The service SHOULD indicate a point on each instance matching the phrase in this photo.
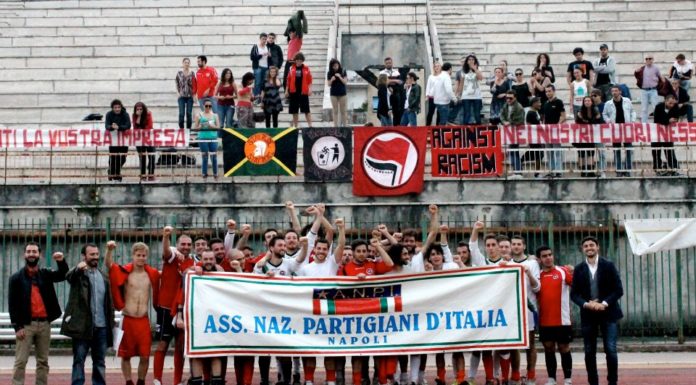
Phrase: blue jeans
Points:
(185, 109)
(226, 115)
(259, 79)
(555, 158)
(648, 101)
(610, 332)
(621, 166)
(471, 111)
(80, 350)
(385, 121)
(409, 118)
(201, 103)
(515, 161)
(442, 114)
(209, 147)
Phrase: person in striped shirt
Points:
(554, 314)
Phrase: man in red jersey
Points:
(554, 314)
(175, 261)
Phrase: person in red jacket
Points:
(142, 120)
(204, 84)
(298, 89)
(130, 288)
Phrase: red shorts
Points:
(137, 337)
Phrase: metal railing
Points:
(45, 166)
(660, 289)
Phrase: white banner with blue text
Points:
(443, 311)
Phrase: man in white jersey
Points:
(518, 248)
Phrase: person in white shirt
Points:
(440, 89)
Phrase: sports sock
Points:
(158, 365)
(567, 364)
(551, 364)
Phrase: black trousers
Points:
(117, 157)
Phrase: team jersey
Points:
(284, 269)
(477, 258)
(352, 269)
(171, 280)
(534, 268)
(554, 297)
(328, 268)
(250, 263)
(417, 264)
(224, 264)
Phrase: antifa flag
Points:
(252, 151)
(327, 154)
(388, 161)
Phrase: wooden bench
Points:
(7, 333)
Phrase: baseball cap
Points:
(603, 46)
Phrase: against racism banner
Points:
(327, 154)
(466, 151)
(253, 151)
(91, 137)
(598, 133)
(654, 235)
(388, 161)
(244, 314)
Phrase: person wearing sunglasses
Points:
(207, 122)
(648, 78)
(522, 88)
(513, 114)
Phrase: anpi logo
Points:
(389, 159)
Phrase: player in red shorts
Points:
(130, 289)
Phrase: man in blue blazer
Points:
(597, 290)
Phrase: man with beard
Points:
(175, 261)
(89, 315)
(216, 364)
(33, 305)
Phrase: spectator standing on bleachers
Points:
(440, 89)
(437, 69)
(245, 108)
(666, 113)
(579, 89)
(469, 90)
(396, 84)
(513, 114)
(588, 114)
(142, 120)
(204, 83)
(522, 88)
(184, 88)
(384, 108)
(276, 53)
(584, 65)
(620, 110)
(89, 315)
(412, 101)
(272, 102)
(683, 98)
(117, 120)
(259, 62)
(336, 79)
(295, 31)
(543, 64)
(208, 122)
(499, 88)
(538, 84)
(553, 112)
(648, 79)
(298, 90)
(605, 67)
(225, 94)
(535, 154)
(33, 305)
(597, 101)
(682, 70)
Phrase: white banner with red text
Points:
(454, 310)
(62, 137)
(598, 133)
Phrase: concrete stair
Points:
(62, 60)
(518, 30)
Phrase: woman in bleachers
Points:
(245, 110)
(225, 94)
(142, 120)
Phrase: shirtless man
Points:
(130, 289)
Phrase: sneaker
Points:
(156, 382)
(551, 381)
(568, 381)
(530, 382)
(309, 383)
(515, 176)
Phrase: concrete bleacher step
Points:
(64, 59)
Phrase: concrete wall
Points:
(512, 200)
(360, 50)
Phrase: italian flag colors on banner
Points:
(268, 151)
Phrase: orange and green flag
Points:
(267, 151)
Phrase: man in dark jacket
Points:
(276, 53)
(89, 316)
(33, 306)
(413, 101)
(117, 120)
(596, 290)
